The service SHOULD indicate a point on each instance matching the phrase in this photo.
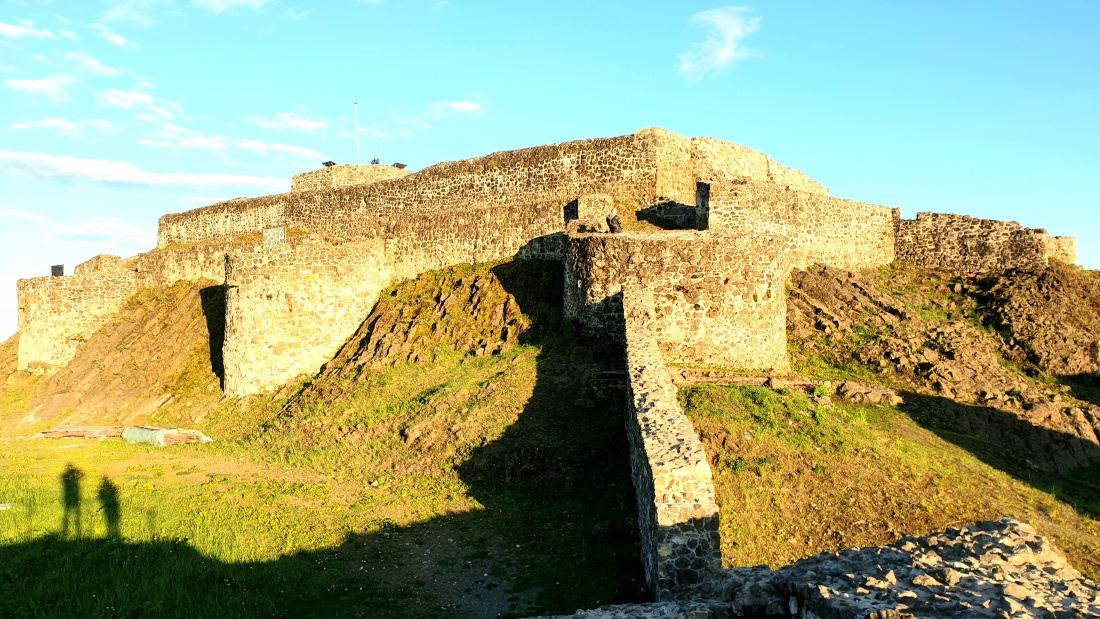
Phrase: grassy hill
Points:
(463, 454)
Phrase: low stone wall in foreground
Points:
(677, 511)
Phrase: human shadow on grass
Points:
(557, 530)
(1052, 461)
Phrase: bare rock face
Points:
(919, 331)
(1051, 317)
(986, 570)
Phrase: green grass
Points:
(795, 479)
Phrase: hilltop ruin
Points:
(302, 269)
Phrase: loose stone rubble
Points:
(997, 569)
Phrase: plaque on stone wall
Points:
(274, 237)
(57, 270)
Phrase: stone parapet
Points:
(677, 511)
(719, 298)
(335, 176)
(966, 244)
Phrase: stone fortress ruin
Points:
(302, 270)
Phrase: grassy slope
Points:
(814, 478)
(466, 486)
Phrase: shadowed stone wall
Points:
(677, 512)
(971, 245)
(718, 298)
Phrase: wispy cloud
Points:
(68, 34)
(263, 148)
(101, 230)
(19, 215)
(27, 29)
(52, 87)
(136, 11)
(291, 121)
(60, 125)
(78, 170)
(125, 99)
(84, 62)
(725, 28)
(221, 6)
(175, 136)
(444, 109)
(114, 39)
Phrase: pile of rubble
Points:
(998, 569)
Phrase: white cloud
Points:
(124, 99)
(103, 125)
(62, 126)
(21, 215)
(52, 87)
(97, 230)
(220, 6)
(11, 31)
(114, 39)
(725, 28)
(290, 121)
(68, 34)
(85, 62)
(444, 109)
(136, 11)
(263, 148)
(175, 136)
(75, 169)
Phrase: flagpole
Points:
(356, 133)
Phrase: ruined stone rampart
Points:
(817, 228)
(972, 245)
(335, 176)
(289, 309)
(718, 160)
(222, 221)
(56, 314)
(677, 512)
(718, 298)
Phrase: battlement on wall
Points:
(332, 177)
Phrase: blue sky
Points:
(113, 113)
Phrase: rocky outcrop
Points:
(1050, 317)
(918, 330)
(987, 570)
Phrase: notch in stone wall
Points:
(57, 270)
(274, 237)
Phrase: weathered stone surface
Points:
(677, 511)
(343, 176)
(970, 245)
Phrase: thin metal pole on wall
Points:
(356, 133)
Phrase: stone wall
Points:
(102, 262)
(718, 160)
(677, 512)
(649, 168)
(344, 176)
(719, 298)
(56, 314)
(290, 308)
(971, 245)
(816, 228)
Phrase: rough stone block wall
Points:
(971, 245)
(817, 228)
(677, 512)
(343, 176)
(56, 314)
(717, 160)
(102, 262)
(719, 298)
(1062, 248)
(225, 220)
(289, 309)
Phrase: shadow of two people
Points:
(109, 504)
